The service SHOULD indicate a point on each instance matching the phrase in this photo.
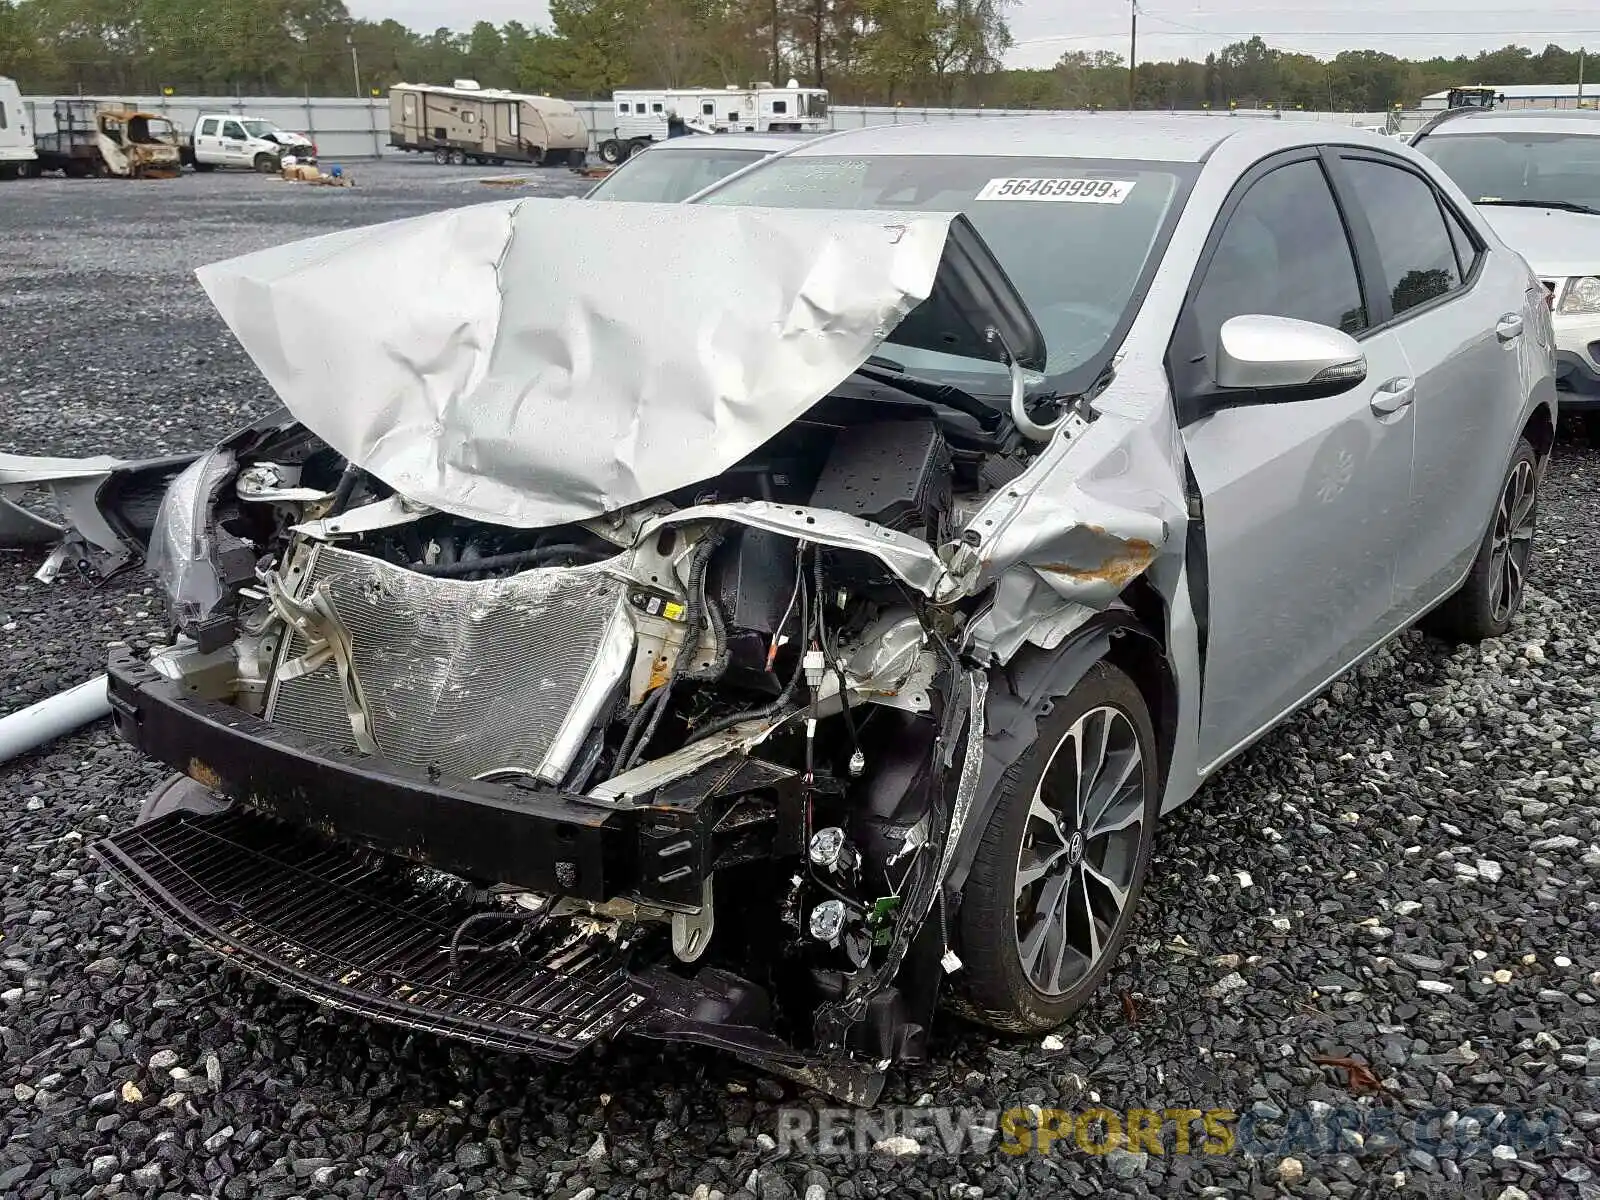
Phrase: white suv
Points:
(1535, 175)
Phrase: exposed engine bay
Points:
(794, 710)
(562, 673)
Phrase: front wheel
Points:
(1491, 596)
(1059, 869)
(611, 152)
(267, 164)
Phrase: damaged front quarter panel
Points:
(1101, 506)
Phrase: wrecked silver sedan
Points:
(756, 646)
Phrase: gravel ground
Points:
(1406, 874)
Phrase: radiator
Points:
(463, 677)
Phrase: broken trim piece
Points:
(913, 562)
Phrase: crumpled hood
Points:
(1555, 242)
(537, 362)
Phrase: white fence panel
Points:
(355, 128)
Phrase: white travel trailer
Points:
(467, 123)
(17, 155)
(643, 115)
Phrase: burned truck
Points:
(550, 669)
(94, 137)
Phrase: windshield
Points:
(260, 129)
(1074, 235)
(666, 176)
(1528, 168)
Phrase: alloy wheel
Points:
(1080, 850)
(1512, 541)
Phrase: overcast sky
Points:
(1044, 29)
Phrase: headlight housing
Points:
(181, 553)
(1582, 296)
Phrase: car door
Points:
(1301, 503)
(206, 141)
(235, 144)
(1459, 319)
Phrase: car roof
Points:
(1087, 135)
(770, 142)
(1523, 120)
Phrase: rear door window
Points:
(208, 127)
(1415, 252)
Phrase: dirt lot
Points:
(1408, 873)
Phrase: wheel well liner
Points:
(1541, 431)
(1023, 691)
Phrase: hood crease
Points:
(535, 362)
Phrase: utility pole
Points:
(1133, 49)
(1580, 76)
(777, 67)
(355, 63)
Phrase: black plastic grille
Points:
(359, 932)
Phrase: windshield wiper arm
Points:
(1563, 205)
(946, 395)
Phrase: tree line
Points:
(914, 52)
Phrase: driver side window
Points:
(1283, 253)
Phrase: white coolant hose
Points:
(49, 719)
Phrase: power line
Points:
(1357, 42)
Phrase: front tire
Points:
(267, 164)
(611, 152)
(1487, 602)
(1059, 869)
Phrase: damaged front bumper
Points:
(368, 924)
(108, 505)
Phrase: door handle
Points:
(1393, 396)
(1509, 327)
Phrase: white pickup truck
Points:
(236, 140)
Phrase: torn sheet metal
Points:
(1091, 514)
(657, 773)
(912, 560)
(537, 363)
(73, 484)
(1025, 609)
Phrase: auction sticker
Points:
(1069, 191)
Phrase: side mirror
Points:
(1272, 360)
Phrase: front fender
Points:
(1019, 694)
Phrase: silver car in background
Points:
(679, 167)
(1535, 176)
